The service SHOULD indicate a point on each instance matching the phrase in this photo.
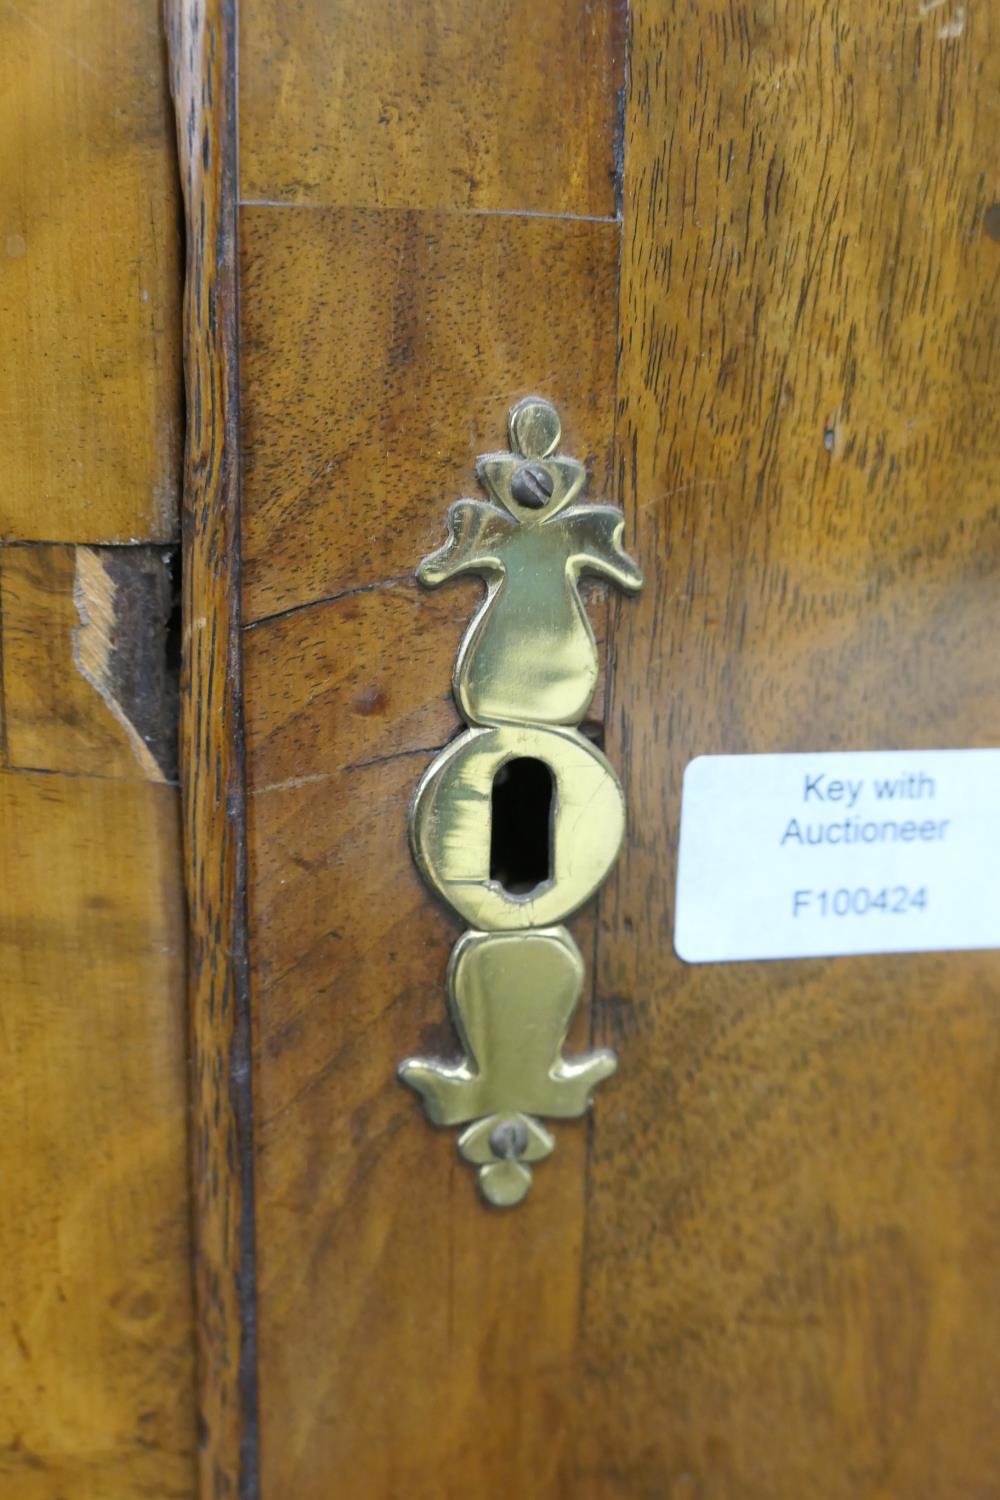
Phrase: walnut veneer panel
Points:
(90, 395)
(380, 351)
(794, 1218)
(97, 1375)
(773, 1274)
(97, 1367)
(394, 1307)
(454, 104)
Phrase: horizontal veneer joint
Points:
(436, 209)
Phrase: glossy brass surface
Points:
(451, 817)
(524, 677)
(529, 655)
(512, 999)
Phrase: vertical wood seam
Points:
(202, 44)
(613, 612)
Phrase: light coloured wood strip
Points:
(90, 380)
(97, 1368)
(97, 1358)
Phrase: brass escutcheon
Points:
(524, 678)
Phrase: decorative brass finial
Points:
(524, 677)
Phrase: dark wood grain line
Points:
(202, 38)
(296, 609)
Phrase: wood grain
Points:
(380, 354)
(395, 1307)
(356, 1197)
(326, 692)
(202, 50)
(772, 1275)
(794, 1220)
(88, 687)
(447, 104)
(96, 1365)
(97, 1360)
(90, 397)
(381, 348)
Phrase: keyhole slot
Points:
(521, 825)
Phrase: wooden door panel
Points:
(804, 1150)
(764, 299)
(97, 1351)
(411, 326)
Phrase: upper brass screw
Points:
(532, 485)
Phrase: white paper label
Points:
(798, 856)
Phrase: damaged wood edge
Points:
(122, 601)
(202, 47)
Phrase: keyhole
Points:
(521, 855)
